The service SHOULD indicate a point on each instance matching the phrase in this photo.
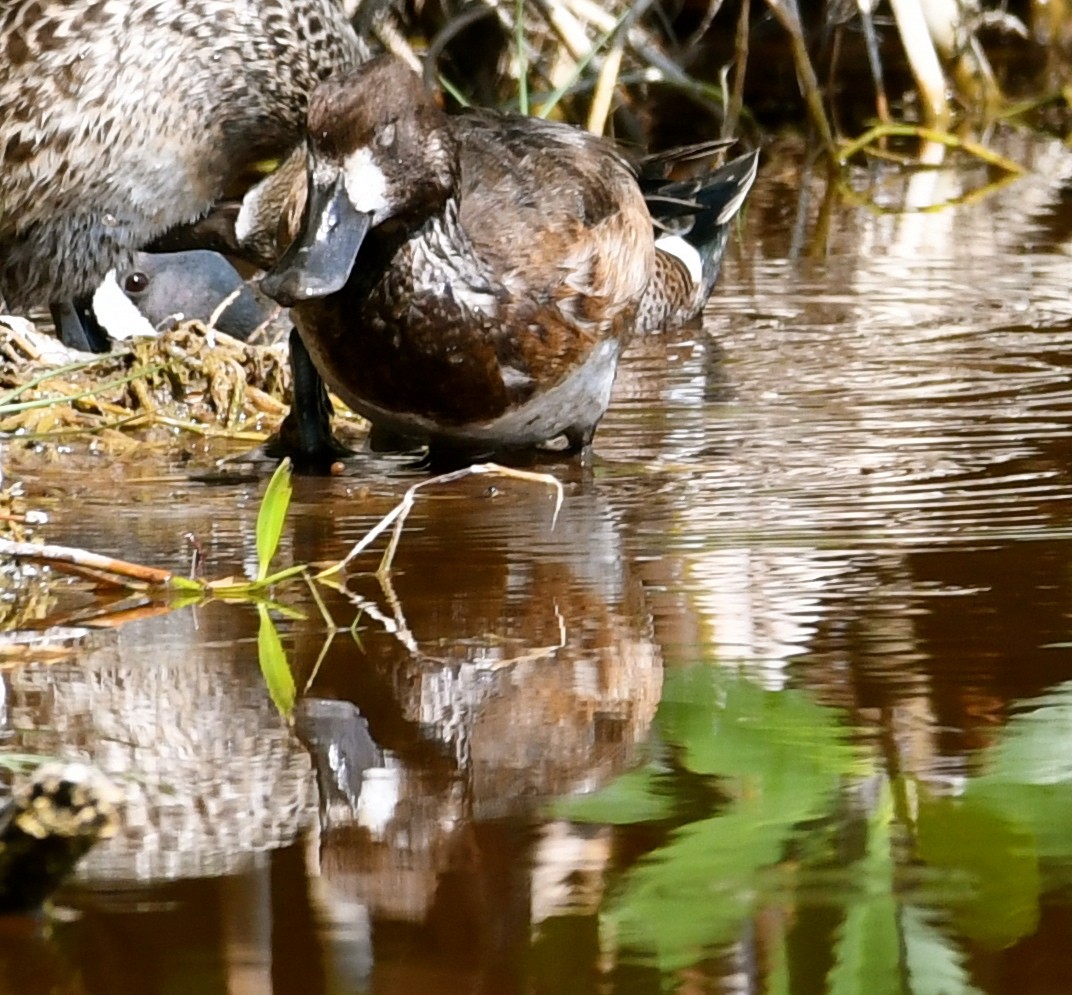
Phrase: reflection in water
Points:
(779, 705)
(211, 773)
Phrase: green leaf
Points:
(692, 894)
(731, 727)
(935, 963)
(274, 664)
(1033, 748)
(780, 758)
(186, 585)
(270, 518)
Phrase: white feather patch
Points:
(366, 185)
(676, 246)
(733, 205)
(249, 217)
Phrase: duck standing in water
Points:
(120, 120)
(469, 281)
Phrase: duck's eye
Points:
(136, 282)
(386, 136)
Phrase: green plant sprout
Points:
(177, 591)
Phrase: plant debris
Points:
(187, 379)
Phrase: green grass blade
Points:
(270, 518)
(275, 667)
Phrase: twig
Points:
(71, 556)
(879, 131)
(397, 515)
(740, 65)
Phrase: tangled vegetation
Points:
(632, 68)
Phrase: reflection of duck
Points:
(532, 667)
(119, 120)
(195, 803)
(520, 669)
(501, 264)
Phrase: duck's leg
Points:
(78, 327)
(305, 435)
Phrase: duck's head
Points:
(377, 150)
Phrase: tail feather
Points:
(657, 166)
(700, 210)
(692, 224)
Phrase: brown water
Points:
(781, 703)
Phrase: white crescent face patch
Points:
(117, 314)
(676, 246)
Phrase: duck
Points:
(469, 281)
(166, 288)
(119, 121)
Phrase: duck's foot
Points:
(305, 435)
(78, 327)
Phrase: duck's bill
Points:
(318, 262)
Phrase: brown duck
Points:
(469, 281)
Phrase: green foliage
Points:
(780, 758)
(1010, 820)
(776, 834)
(994, 861)
(633, 797)
(271, 516)
(868, 950)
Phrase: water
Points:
(781, 703)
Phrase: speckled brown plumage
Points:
(120, 120)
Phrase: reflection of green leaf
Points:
(270, 518)
(779, 756)
(868, 951)
(274, 665)
(628, 799)
(995, 859)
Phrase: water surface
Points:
(780, 703)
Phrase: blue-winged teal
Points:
(197, 285)
(119, 120)
(469, 281)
